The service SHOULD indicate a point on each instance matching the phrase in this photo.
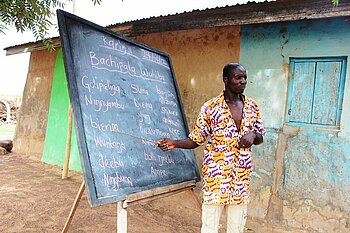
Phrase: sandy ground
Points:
(34, 198)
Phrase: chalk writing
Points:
(162, 159)
(138, 90)
(119, 147)
(165, 101)
(174, 131)
(113, 181)
(149, 156)
(103, 105)
(169, 121)
(111, 63)
(151, 131)
(143, 117)
(109, 162)
(165, 94)
(151, 74)
(155, 58)
(117, 45)
(150, 144)
(144, 105)
(168, 111)
(167, 159)
(115, 64)
(100, 85)
(102, 126)
(158, 172)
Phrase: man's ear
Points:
(225, 80)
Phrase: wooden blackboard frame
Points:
(74, 97)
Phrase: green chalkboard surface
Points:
(124, 96)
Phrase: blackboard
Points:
(124, 95)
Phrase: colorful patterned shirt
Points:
(226, 169)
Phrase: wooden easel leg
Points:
(74, 207)
(122, 217)
(195, 200)
(68, 144)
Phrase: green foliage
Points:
(2, 27)
(97, 2)
(335, 2)
(31, 15)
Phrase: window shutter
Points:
(302, 94)
(315, 92)
(326, 92)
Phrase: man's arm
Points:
(258, 138)
(249, 139)
(166, 144)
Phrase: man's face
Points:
(237, 82)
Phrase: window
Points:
(316, 88)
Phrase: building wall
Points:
(198, 57)
(303, 180)
(31, 125)
(57, 125)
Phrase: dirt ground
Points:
(34, 198)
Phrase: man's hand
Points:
(247, 140)
(166, 144)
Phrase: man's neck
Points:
(232, 97)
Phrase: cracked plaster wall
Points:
(308, 166)
(31, 124)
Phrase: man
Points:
(233, 124)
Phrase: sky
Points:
(14, 68)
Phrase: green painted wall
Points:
(56, 131)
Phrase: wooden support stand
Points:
(68, 144)
(74, 207)
(137, 198)
(122, 218)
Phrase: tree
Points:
(31, 15)
(335, 2)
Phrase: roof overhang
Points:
(250, 13)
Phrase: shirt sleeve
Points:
(258, 124)
(201, 129)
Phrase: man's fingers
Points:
(245, 144)
(160, 142)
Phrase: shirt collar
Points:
(223, 101)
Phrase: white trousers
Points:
(236, 218)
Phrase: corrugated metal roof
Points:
(196, 9)
(234, 3)
(252, 12)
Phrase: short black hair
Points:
(230, 68)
